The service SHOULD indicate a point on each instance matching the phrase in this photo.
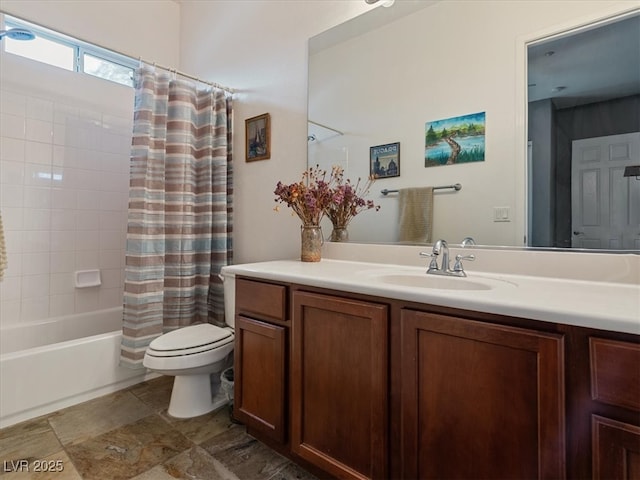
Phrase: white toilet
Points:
(196, 355)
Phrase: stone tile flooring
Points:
(129, 435)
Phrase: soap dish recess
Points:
(88, 278)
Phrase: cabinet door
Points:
(616, 449)
(480, 400)
(339, 397)
(259, 388)
(615, 372)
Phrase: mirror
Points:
(380, 78)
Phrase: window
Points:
(108, 69)
(69, 53)
(42, 50)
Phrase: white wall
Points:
(260, 48)
(409, 72)
(138, 28)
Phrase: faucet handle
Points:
(457, 266)
(433, 265)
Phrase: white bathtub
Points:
(49, 365)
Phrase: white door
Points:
(605, 205)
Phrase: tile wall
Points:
(64, 165)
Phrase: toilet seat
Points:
(190, 340)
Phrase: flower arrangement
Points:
(315, 196)
(348, 199)
(309, 198)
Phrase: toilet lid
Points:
(190, 337)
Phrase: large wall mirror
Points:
(558, 84)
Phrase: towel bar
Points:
(456, 187)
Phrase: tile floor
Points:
(128, 435)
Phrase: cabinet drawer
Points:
(615, 372)
(263, 300)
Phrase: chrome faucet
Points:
(442, 248)
(467, 242)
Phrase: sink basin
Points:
(420, 279)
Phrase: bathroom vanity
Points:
(365, 370)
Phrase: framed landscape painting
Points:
(454, 140)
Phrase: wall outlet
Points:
(501, 214)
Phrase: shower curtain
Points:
(179, 231)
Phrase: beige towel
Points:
(3, 251)
(415, 214)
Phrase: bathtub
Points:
(53, 364)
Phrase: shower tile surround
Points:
(64, 177)
(137, 439)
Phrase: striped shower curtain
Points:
(180, 209)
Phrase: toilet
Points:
(195, 356)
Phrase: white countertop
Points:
(601, 305)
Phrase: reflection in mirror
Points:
(382, 82)
(584, 129)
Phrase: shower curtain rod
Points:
(186, 75)
(324, 126)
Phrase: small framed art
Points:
(455, 140)
(258, 137)
(384, 160)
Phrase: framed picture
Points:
(258, 137)
(455, 140)
(384, 160)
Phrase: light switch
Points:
(501, 214)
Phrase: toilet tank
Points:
(229, 282)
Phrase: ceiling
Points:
(592, 65)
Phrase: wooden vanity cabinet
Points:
(339, 385)
(260, 386)
(480, 400)
(615, 380)
(362, 387)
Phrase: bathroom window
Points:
(66, 52)
(41, 49)
(99, 66)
